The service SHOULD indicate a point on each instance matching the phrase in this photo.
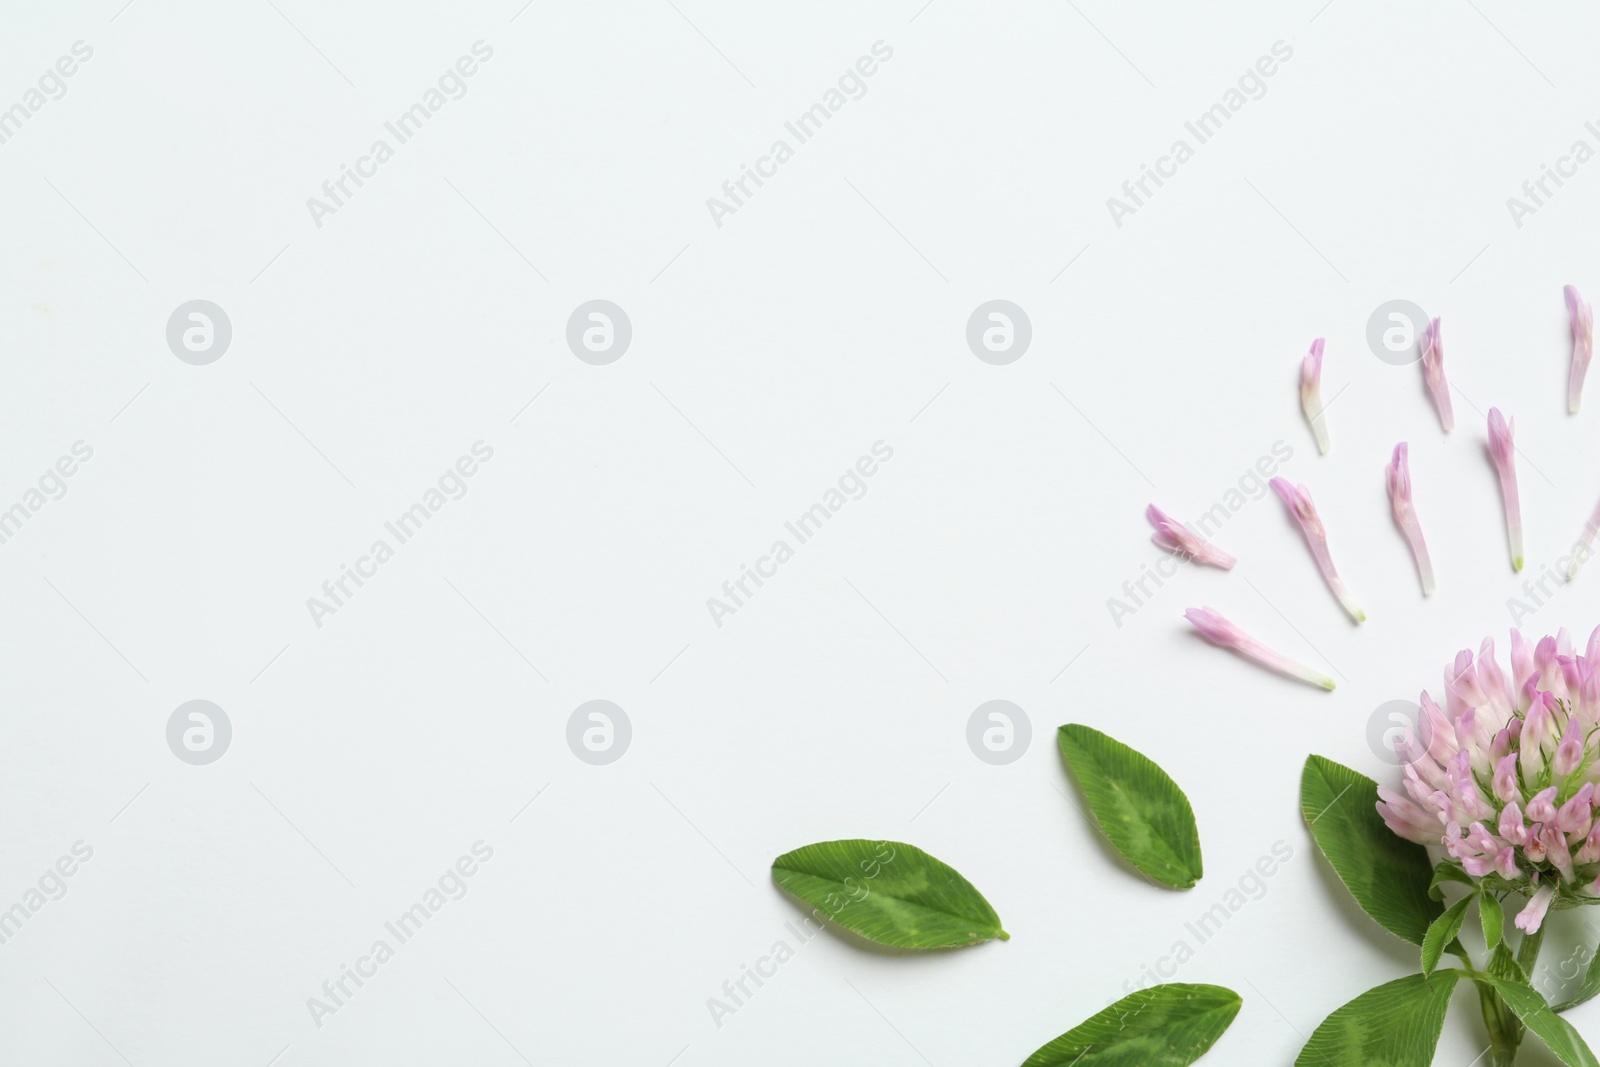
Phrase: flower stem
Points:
(1528, 951)
(1505, 1030)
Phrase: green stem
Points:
(1528, 951)
(1504, 1029)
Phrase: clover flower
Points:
(1503, 452)
(1178, 538)
(1220, 631)
(1405, 514)
(1298, 499)
(1582, 346)
(1311, 394)
(1433, 373)
(1504, 776)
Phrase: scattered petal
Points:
(1178, 538)
(1220, 631)
(1405, 515)
(1582, 346)
(1433, 373)
(1311, 394)
(1298, 499)
(1502, 451)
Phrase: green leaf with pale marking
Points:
(1541, 1019)
(1138, 808)
(1388, 875)
(1395, 1025)
(1164, 1026)
(888, 892)
(1442, 932)
(1591, 984)
(1493, 917)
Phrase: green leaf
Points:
(1140, 810)
(1448, 871)
(1442, 932)
(1493, 917)
(1503, 964)
(1395, 1025)
(1388, 875)
(1538, 1017)
(1164, 1026)
(1591, 984)
(888, 892)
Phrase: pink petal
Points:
(1502, 451)
(1311, 394)
(1582, 345)
(1405, 514)
(1531, 917)
(1433, 373)
(1220, 631)
(1178, 538)
(1298, 500)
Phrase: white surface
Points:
(793, 337)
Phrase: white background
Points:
(768, 354)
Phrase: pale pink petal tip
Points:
(1405, 514)
(1432, 347)
(1298, 499)
(1503, 453)
(1183, 541)
(1311, 394)
(1582, 317)
(1219, 631)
